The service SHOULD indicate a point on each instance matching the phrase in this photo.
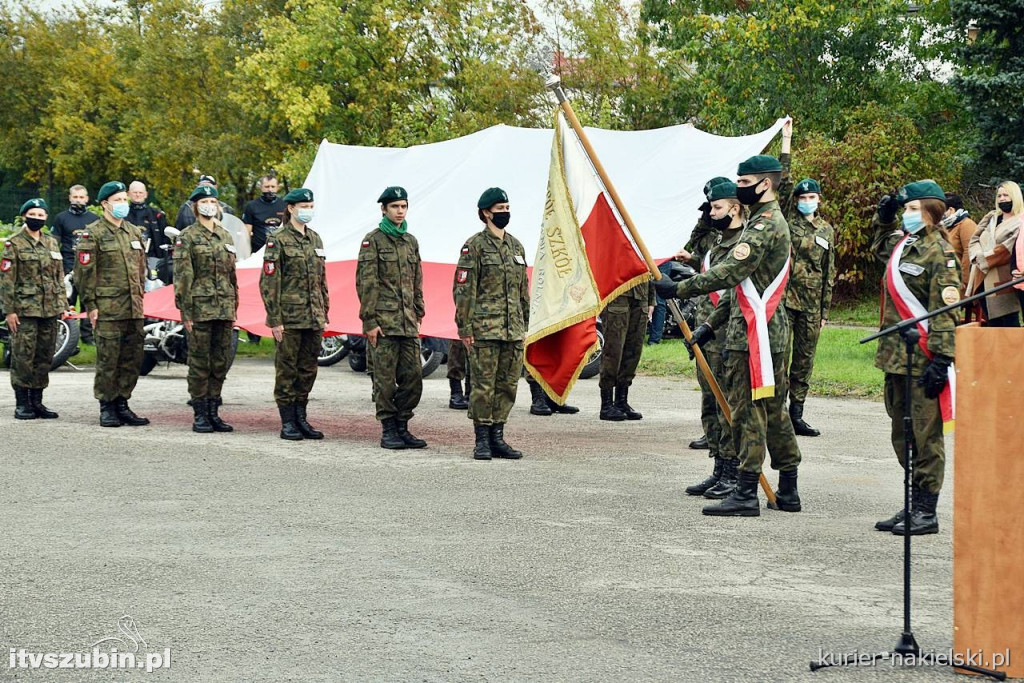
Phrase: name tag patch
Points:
(136, 244)
(230, 247)
(55, 255)
(821, 241)
(911, 269)
(520, 260)
(320, 252)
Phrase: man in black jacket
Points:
(68, 227)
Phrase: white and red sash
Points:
(704, 266)
(908, 306)
(758, 309)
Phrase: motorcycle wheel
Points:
(357, 361)
(234, 347)
(593, 365)
(68, 334)
(332, 350)
(149, 361)
(431, 359)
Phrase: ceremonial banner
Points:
(585, 258)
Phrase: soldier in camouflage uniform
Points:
(625, 319)
(206, 293)
(492, 312)
(812, 277)
(110, 274)
(32, 297)
(727, 219)
(931, 272)
(458, 363)
(757, 265)
(293, 285)
(389, 283)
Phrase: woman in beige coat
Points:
(989, 252)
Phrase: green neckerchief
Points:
(389, 228)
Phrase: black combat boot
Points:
(482, 449)
(922, 515)
(726, 483)
(539, 405)
(23, 405)
(458, 401)
(500, 449)
(200, 417)
(699, 489)
(126, 415)
(787, 497)
(888, 524)
(289, 430)
(108, 414)
(213, 415)
(608, 409)
(404, 434)
(36, 398)
(742, 502)
(622, 403)
(563, 409)
(700, 444)
(389, 437)
(308, 431)
(796, 416)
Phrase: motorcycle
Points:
(433, 352)
(166, 340)
(68, 335)
(677, 272)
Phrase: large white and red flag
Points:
(585, 258)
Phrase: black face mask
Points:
(501, 218)
(269, 197)
(1005, 207)
(749, 195)
(722, 223)
(77, 209)
(35, 224)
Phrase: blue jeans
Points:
(660, 312)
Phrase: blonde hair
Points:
(1013, 189)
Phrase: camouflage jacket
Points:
(491, 289)
(205, 282)
(32, 276)
(110, 270)
(813, 273)
(389, 283)
(727, 239)
(703, 237)
(760, 254)
(293, 283)
(642, 292)
(932, 273)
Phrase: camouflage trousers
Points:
(457, 361)
(494, 369)
(397, 376)
(929, 449)
(763, 424)
(806, 328)
(295, 365)
(118, 357)
(624, 328)
(32, 350)
(716, 427)
(209, 355)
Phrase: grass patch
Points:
(859, 312)
(265, 349)
(842, 366)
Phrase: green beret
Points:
(492, 196)
(202, 192)
(726, 190)
(762, 163)
(711, 183)
(806, 186)
(109, 189)
(922, 189)
(393, 194)
(36, 203)
(299, 194)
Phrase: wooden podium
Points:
(988, 496)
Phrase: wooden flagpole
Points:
(555, 85)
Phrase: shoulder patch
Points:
(84, 257)
(951, 263)
(270, 245)
(366, 243)
(741, 251)
(269, 267)
(950, 295)
(461, 276)
(757, 226)
(5, 265)
(465, 249)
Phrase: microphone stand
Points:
(906, 646)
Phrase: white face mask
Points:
(208, 210)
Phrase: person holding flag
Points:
(756, 270)
(492, 312)
(922, 274)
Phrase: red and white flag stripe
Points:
(704, 266)
(757, 310)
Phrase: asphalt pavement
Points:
(249, 558)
